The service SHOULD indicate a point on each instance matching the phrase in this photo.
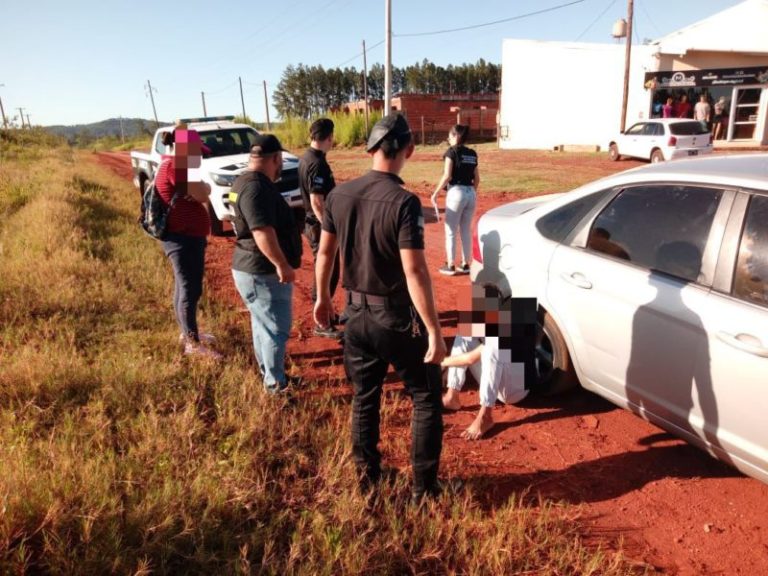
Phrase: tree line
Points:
(307, 91)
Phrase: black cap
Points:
(390, 127)
(321, 129)
(266, 144)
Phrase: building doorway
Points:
(744, 114)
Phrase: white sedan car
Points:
(662, 139)
(652, 288)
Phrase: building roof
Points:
(741, 28)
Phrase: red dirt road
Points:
(670, 506)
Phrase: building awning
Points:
(741, 28)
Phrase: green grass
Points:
(117, 455)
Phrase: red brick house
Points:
(432, 115)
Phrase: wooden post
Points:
(627, 57)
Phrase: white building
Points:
(566, 93)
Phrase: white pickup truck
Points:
(226, 157)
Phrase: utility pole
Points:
(365, 86)
(122, 132)
(21, 116)
(388, 57)
(242, 100)
(152, 97)
(2, 110)
(205, 112)
(266, 106)
(29, 124)
(627, 56)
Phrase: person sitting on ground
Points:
(498, 352)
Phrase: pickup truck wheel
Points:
(613, 153)
(657, 156)
(217, 226)
(553, 361)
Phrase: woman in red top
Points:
(188, 225)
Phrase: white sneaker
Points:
(204, 337)
(198, 349)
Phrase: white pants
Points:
(498, 380)
(460, 204)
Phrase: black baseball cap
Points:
(321, 129)
(390, 127)
(265, 145)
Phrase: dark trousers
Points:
(187, 256)
(374, 338)
(312, 231)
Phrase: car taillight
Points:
(672, 141)
(477, 254)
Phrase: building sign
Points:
(718, 77)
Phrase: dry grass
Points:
(119, 456)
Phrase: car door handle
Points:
(745, 343)
(577, 279)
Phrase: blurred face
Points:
(188, 150)
(452, 139)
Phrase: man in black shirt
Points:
(379, 228)
(316, 181)
(267, 251)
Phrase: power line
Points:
(596, 20)
(647, 15)
(356, 56)
(484, 24)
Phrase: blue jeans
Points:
(187, 256)
(460, 204)
(269, 303)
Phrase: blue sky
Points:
(81, 61)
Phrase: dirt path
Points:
(669, 505)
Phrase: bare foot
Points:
(451, 400)
(482, 423)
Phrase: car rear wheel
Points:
(217, 226)
(553, 362)
(613, 152)
(657, 156)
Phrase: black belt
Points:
(392, 301)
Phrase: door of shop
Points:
(744, 113)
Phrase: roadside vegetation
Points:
(117, 455)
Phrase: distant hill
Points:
(132, 127)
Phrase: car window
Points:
(660, 227)
(558, 224)
(160, 148)
(751, 278)
(228, 141)
(636, 129)
(653, 129)
(691, 128)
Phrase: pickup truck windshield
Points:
(228, 141)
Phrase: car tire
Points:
(613, 153)
(217, 226)
(555, 371)
(656, 156)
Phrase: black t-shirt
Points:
(374, 217)
(464, 164)
(315, 177)
(260, 204)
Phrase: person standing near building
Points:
(267, 251)
(461, 174)
(316, 181)
(720, 119)
(668, 110)
(683, 107)
(379, 228)
(702, 111)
